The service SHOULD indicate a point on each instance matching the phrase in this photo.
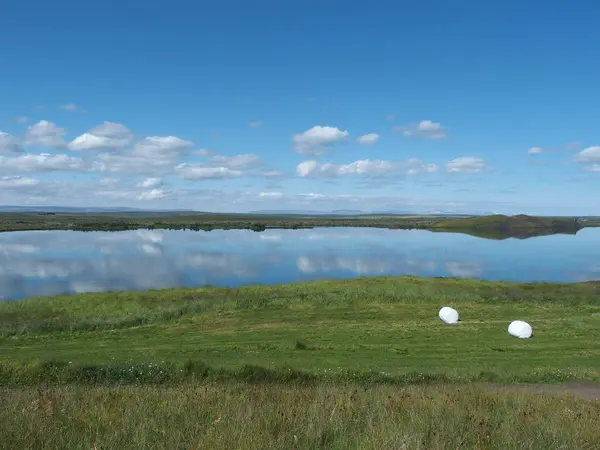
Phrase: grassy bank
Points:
(242, 416)
(381, 325)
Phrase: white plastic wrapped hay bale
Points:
(520, 329)
(448, 315)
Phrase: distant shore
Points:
(493, 227)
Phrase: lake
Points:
(40, 263)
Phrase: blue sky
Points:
(236, 106)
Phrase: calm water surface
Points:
(34, 263)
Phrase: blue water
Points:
(37, 263)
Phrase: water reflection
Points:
(34, 263)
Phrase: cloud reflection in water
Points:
(54, 262)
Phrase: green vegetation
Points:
(361, 363)
(282, 417)
(486, 226)
(385, 325)
(501, 227)
(198, 221)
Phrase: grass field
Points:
(385, 325)
(281, 417)
(346, 364)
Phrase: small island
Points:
(499, 226)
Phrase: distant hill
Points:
(519, 225)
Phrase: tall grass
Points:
(242, 416)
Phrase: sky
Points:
(234, 106)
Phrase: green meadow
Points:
(336, 364)
(386, 325)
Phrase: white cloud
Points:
(268, 173)
(367, 139)
(106, 136)
(593, 168)
(390, 118)
(313, 141)
(589, 155)
(17, 182)
(236, 162)
(161, 147)
(9, 143)
(200, 172)
(426, 129)
(22, 119)
(45, 134)
(150, 183)
(258, 123)
(466, 164)
(43, 162)
(154, 194)
(69, 107)
(535, 151)
(361, 167)
(202, 152)
(424, 168)
(271, 195)
(147, 156)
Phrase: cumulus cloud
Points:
(258, 123)
(202, 152)
(593, 168)
(22, 119)
(426, 129)
(9, 143)
(161, 147)
(189, 171)
(146, 156)
(154, 194)
(236, 162)
(43, 162)
(315, 140)
(17, 182)
(423, 168)
(108, 135)
(466, 164)
(45, 134)
(314, 169)
(367, 139)
(589, 155)
(150, 183)
(536, 151)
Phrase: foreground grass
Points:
(242, 416)
(381, 325)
